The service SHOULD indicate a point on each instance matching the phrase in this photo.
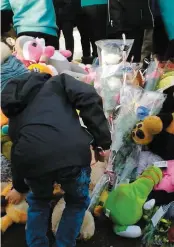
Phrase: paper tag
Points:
(157, 216)
(107, 213)
(161, 164)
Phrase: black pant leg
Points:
(67, 29)
(83, 27)
(97, 18)
(160, 38)
(137, 35)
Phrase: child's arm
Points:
(18, 182)
(19, 188)
(85, 98)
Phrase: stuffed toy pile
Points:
(140, 176)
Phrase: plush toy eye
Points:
(140, 134)
(34, 44)
(139, 126)
(36, 70)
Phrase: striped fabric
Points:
(11, 68)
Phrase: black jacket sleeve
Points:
(18, 182)
(85, 98)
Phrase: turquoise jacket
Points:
(32, 15)
(167, 11)
(92, 2)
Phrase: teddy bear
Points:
(4, 119)
(87, 228)
(14, 213)
(18, 213)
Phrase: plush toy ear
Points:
(166, 119)
(20, 43)
(66, 53)
(10, 41)
(153, 124)
(4, 51)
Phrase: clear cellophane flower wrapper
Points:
(111, 83)
(109, 80)
(153, 74)
(123, 148)
(100, 186)
(159, 234)
(110, 52)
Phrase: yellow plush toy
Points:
(17, 213)
(4, 119)
(6, 145)
(40, 68)
(145, 130)
(14, 213)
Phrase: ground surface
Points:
(104, 237)
(77, 44)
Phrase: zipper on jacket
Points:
(109, 15)
(153, 22)
(141, 13)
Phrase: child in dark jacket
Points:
(49, 145)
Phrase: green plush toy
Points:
(124, 205)
(6, 144)
(166, 81)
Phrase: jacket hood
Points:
(20, 91)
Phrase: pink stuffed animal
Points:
(167, 183)
(35, 51)
(66, 53)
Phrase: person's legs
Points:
(137, 35)
(67, 29)
(49, 39)
(83, 26)
(160, 38)
(75, 183)
(169, 55)
(39, 211)
(146, 50)
(97, 16)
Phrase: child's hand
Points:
(102, 155)
(14, 197)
